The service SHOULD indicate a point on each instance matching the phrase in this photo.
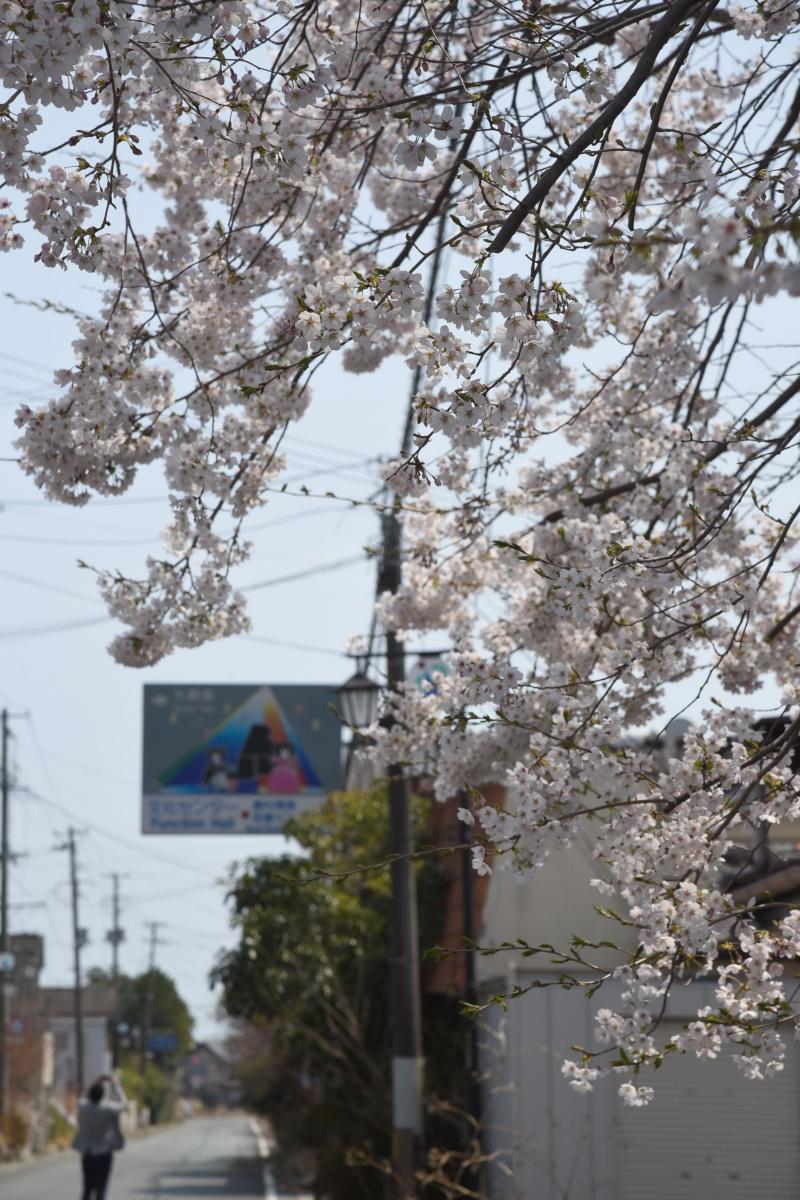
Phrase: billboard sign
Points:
(236, 758)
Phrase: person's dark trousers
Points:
(96, 1170)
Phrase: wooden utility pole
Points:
(408, 1064)
(407, 1060)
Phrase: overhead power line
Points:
(317, 468)
(45, 755)
(336, 565)
(27, 362)
(37, 630)
(86, 622)
(115, 837)
(254, 637)
(47, 587)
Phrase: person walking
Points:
(99, 1134)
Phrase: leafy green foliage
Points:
(169, 1010)
(156, 1088)
(59, 1131)
(311, 970)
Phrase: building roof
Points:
(28, 946)
(95, 1001)
(206, 1048)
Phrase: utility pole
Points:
(79, 940)
(149, 996)
(407, 1061)
(6, 957)
(5, 971)
(408, 1064)
(115, 936)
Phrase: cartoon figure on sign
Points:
(216, 773)
(256, 759)
(285, 777)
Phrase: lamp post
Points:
(359, 701)
(358, 704)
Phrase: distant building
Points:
(208, 1077)
(708, 1132)
(26, 1052)
(56, 1008)
(41, 1030)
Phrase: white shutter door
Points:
(710, 1134)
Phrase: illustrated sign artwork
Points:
(234, 758)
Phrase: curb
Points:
(264, 1153)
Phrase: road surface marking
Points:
(264, 1150)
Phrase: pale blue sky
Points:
(80, 748)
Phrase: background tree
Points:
(169, 1013)
(310, 973)
(157, 1086)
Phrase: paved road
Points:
(204, 1159)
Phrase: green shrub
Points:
(155, 1088)
(59, 1131)
(14, 1132)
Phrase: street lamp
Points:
(358, 699)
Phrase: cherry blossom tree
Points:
(566, 220)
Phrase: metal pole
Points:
(407, 1060)
(77, 942)
(4, 939)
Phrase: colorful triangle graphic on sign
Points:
(254, 749)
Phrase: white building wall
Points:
(710, 1133)
(549, 906)
(96, 1056)
(552, 1142)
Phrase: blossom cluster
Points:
(566, 229)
